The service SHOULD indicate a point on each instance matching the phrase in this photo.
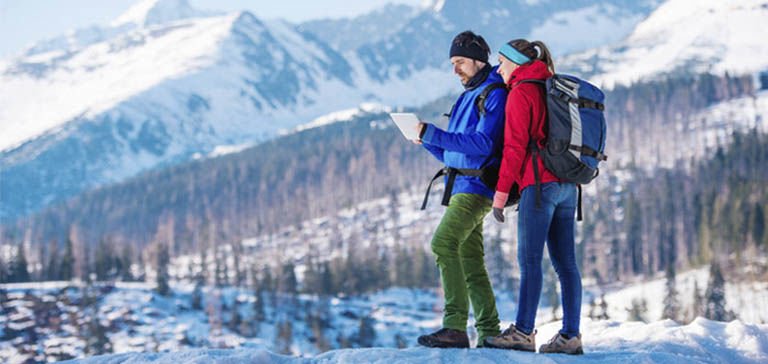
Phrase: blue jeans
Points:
(552, 222)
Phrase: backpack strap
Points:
(448, 114)
(439, 174)
(578, 207)
(451, 173)
(533, 144)
(480, 100)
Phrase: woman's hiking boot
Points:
(513, 339)
(563, 344)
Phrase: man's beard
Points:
(464, 78)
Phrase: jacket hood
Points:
(536, 70)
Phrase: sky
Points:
(23, 22)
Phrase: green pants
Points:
(458, 246)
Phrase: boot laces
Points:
(554, 338)
(509, 331)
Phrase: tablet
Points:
(407, 123)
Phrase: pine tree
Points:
(366, 333)
(67, 265)
(97, 342)
(268, 284)
(258, 304)
(634, 227)
(204, 265)
(220, 263)
(311, 282)
(237, 252)
(671, 302)
(3, 272)
(315, 321)
(326, 280)
(267, 281)
(698, 302)
(758, 224)
(236, 318)
(51, 267)
(197, 294)
(603, 308)
(103, 263)
(715, 295)
(163, 259)
(213, 310)
(284, 339)
(126, 264)
(638, 310)
(592, 309)
(18, 271)
(288, 283)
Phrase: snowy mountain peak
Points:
(149, 12)
(684, 37)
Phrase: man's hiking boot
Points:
(513, 339)
(445, 338)
(564, 345)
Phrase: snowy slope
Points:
(148, 12)
(422, 43)
(240, 67)
(702, 341)
(163, 93)
(684, 36)
(581, 29)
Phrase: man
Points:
(472, 143)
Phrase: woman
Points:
(546, 209)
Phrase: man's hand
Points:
(419, 128)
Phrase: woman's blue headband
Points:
(513, 54)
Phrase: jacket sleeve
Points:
(435, 150)
(516, 136)
(479, 141)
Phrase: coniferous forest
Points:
(680, 216)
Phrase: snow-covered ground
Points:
(137, 320)
(702, 341)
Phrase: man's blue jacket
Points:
(471, 141)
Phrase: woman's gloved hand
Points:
(499, 200)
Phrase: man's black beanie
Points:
(468, 44)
